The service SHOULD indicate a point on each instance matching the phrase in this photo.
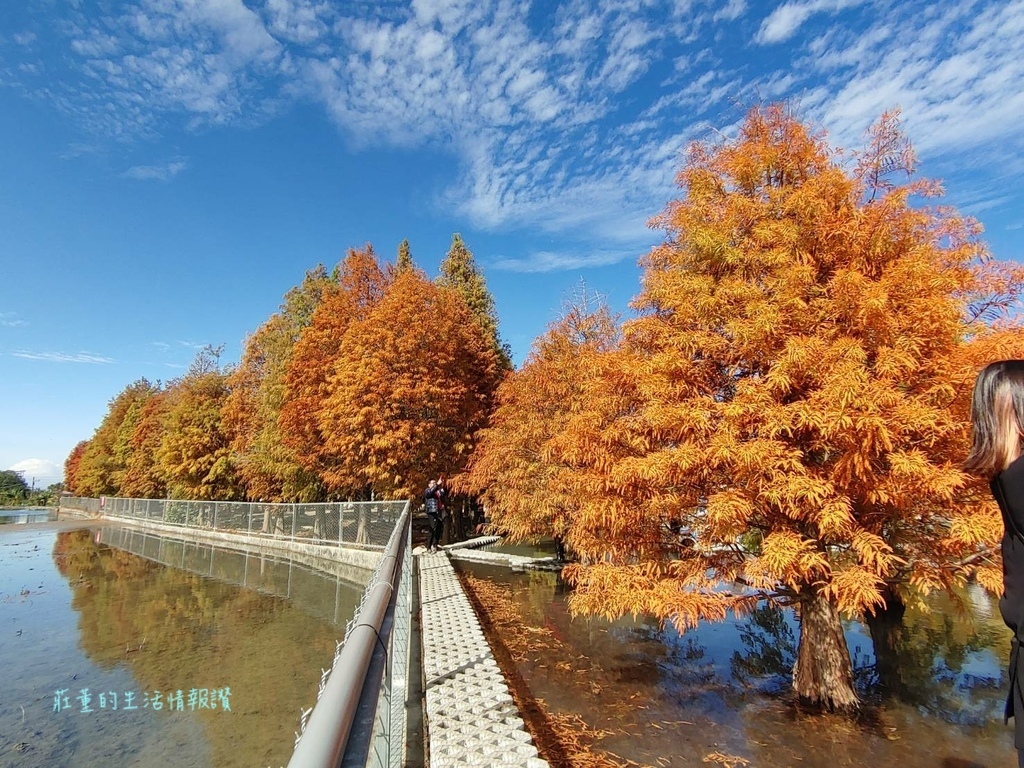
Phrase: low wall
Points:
(255, 543)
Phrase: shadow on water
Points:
(79, 614)
(933, 690)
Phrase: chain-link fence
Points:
(389, 745)
(366, 524)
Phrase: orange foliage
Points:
(269, 469)
(360, 287)
(524, 485)
(194, 456)
(105, 456)
(143, 477)
(796, 381)
(71, 467)
(411, 386)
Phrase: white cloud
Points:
(96, 45)
(955, 76)
(63, 357)
(196, 56)
(731, 11)
(299, 21)
(42, 472)
(164, 172)
(550, 261)
(785, 20)
(24, 38)
(11, 320)
(568, 117)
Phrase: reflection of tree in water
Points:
(937, 660)
(601, 670)
(769, 647)
(541, 587)
(941, 659)
(177, 630)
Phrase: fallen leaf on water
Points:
(729, 761)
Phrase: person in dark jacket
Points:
(433, 503)
(997, 421)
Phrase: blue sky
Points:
(171, 167)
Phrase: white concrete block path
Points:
(470, 719)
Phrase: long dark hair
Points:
(997, 418)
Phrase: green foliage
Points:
(460, 272)
(404, 260)
(13, 488)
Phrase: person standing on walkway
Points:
(997, 422)
(433, 503)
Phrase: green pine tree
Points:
(460, 272)
(404, 261)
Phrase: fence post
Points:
(250, 517)
(295, 517)
(216, 506)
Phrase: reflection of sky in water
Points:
(40, 654)
(959, 667)
(113, 621)
(959, 656)
(974, 659)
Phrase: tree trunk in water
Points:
(362, 535)
(823, 674)
(455, 521)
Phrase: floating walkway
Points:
(471, 718)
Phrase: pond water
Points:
(933, 695)
(112, 658)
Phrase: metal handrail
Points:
(325, 737)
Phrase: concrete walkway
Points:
(470, 718)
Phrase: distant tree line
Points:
(368, 380)
(16, 492)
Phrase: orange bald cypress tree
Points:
(144, 477)
(528, 492)
(361, 284)
(103, 461)
(268, 467)
(71, 466)
(194, 453)
(412, 385)
(797, 380)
